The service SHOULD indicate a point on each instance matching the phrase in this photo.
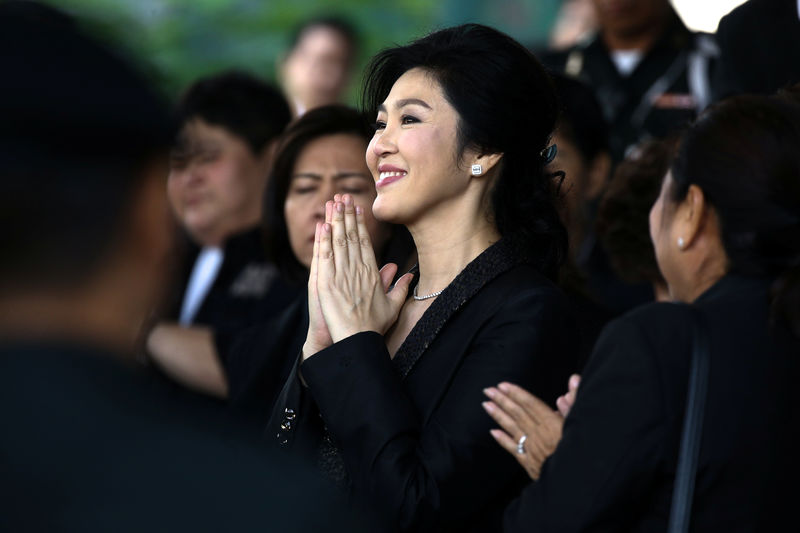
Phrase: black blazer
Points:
(414, 440)
(258, 360)
(614, 467)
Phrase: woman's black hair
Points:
(319, 122)
(507, 104)
(744, 153)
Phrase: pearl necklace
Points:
(426, 296)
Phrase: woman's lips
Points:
(389, 176)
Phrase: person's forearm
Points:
(189, 356)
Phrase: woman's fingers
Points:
(514, 408)
(574, 382)
(339, 238)
(351, 231)
(529, 403)
(399, 293)
(564, 405)
(566, 401)
(325, 263)
(387, 274)
(505, 441)
(364, 240)
(504, 420)
(312, 273)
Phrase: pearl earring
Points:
(477, 170)
(681, 243)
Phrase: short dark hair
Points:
(507, 105)
(743, 154)
(246, 106)
(332, 22)
(624, 212)
(319, 122)
(79, 125)
(581, 118)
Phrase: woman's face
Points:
(326, 166)
(661, 232)
(413, 155)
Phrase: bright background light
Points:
(704, 15)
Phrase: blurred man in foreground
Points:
(89, 443)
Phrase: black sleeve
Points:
(612, 442)
(434, 474)
(257, 361)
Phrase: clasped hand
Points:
(521, 414)
(347, 294)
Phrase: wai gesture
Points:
(347, 294)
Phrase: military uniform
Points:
(664, 91)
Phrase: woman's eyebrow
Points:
(404, 102)
(309, 175)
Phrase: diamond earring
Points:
(681, 243)
(477, 170)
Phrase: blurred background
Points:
(181, 40)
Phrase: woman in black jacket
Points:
(382, 398)
(726, 229)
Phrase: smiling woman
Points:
(386, 404)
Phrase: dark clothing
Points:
(759, 45)
(614, 467)
(663, 93)
(246, 290)
(413, 439)
(258, 361)
(91, 444)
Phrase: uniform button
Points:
(286, 425)
(289, 413)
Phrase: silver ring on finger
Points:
(521, 445)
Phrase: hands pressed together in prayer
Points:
(347, 294)
(531, 430)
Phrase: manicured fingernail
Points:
(495, 433)
(339, 207)
(359, 210)
(504, 387)
(326, 227)
(348, 200)
(489, 392)
(488, 406)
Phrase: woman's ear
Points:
(690, 216)
(485, 163)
